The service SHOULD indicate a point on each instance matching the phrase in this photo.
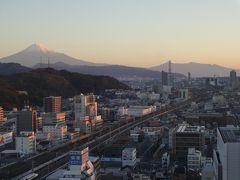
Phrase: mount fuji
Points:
(38, 53)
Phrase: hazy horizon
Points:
(135, 33)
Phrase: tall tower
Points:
(164, 78)
(233, 78)
(189, 76)
(170, 66)
(170, 75)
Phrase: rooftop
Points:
(189, 129)
(230, 134)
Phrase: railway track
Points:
(47, 162)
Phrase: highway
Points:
(50, 160)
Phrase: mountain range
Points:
(196, 69)
(39, 56)
(116, 71)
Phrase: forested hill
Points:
(45, 82)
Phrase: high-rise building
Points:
(185, 136)
(85, 109)
(52, 104)
(226, 158)
(189, 76)
(164, 78)
(170, 74)
(1, 119)
(233, 78)
(26, 120)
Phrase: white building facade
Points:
(85, 111)
(194, 159)
(129, 157)
(54, 126)
(227, 155)
(26, 143)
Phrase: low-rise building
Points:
(194, 159)
(80, 166)
(139, 176)
(55, 132)
(6, 138)
(165, 161)
(184, 94)
(54, 126)
(137, 111)
(129, 157)
(208, 172)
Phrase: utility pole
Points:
(32, 165)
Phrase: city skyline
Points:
(133, 33)
(127, 89)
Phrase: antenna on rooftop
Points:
(48, 62)
(170, 67)
(40, 61)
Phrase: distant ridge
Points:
(37, 53)
(12, 68)
(40, 56)
(196, 69)
(116, 71)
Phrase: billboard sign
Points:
(75, 158)
(78, 157)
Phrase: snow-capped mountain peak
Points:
(37, 47)
(37, 53)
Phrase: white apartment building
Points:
(85, 111)
(194, 159)
(165, 161)
(129, 157)
(26, 143)
(54, 126)
(184, 94)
